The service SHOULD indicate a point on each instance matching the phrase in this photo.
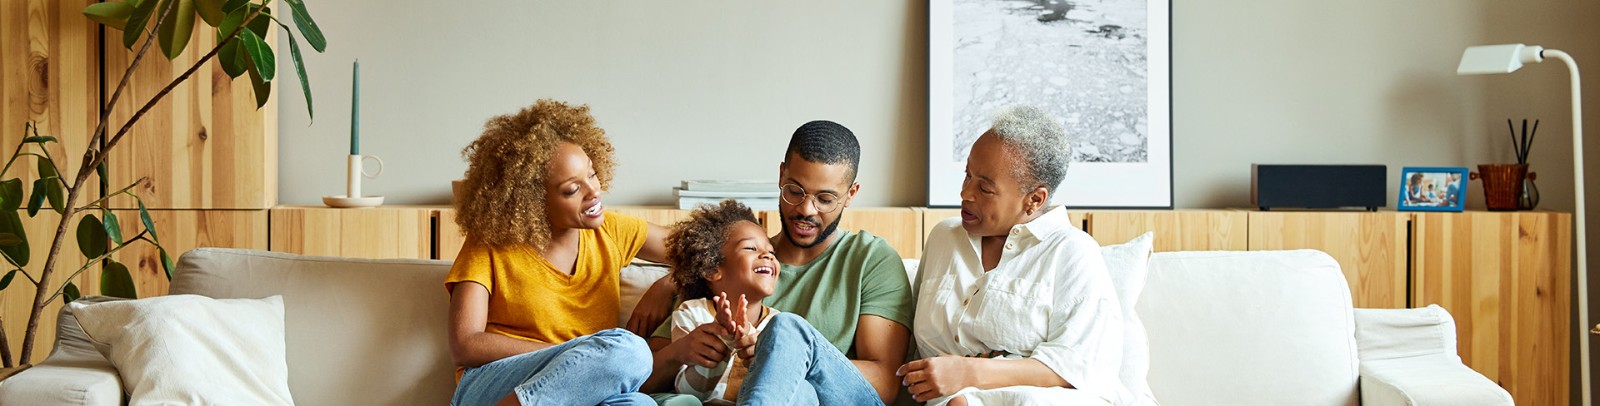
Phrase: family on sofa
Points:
(1012, 304)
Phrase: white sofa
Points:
(1226, 328)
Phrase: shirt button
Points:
(1016, 231)
(1011, 246)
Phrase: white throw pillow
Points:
(1129, 266)
(188, 349)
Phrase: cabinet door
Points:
(16, 301)
(1174, 230)
(1370, 248)
(1505, 278)
(184, 230)
(380, 232)
(49, 64)
(205, 145)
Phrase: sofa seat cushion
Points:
(1250, 328)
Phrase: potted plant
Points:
(241, 27)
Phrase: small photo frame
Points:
(1433, 189)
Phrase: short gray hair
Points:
(1040, 144)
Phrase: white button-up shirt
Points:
(1049, 299)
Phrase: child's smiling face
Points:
(748, 266)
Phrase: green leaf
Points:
(261, 55)
(166, 263)
(91, 237)
(233, 61)
(41, 139)
(101, 170)
(144, 217)
(116, 281)
(9, 239)
(11, 194)
(229, 6)
(6, 281)
(308, 27)
(263, 89)
(210, 11)
(114, 15)
(52, 185)
(11, 223)
(300, 72)
(176, 29)
(47, 169)
(71, 292)
(261, 22)
(136, 22)
(113, 228)
(37, 200)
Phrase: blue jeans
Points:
(795, 365)
(601, 368)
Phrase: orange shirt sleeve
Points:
(628, 232)
(473, 264)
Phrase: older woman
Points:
(534, 293)
(1014, 305)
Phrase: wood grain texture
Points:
(932, 217)
(205, 146)
(1505, 277)
(1370, 248)
(449, 238)
(380, 232)
(17, 300)
(184, 230)
(1187, 230)
(49, 63)
(897, 225)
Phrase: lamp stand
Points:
(1583, 246)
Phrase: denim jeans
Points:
(601, 368)
(796, 365)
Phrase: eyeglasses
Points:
(795, 195)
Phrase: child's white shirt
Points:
(685, 319)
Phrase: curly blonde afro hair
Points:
(504, 192)
(695, 246)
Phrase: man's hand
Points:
(652, 309)
(931, 378)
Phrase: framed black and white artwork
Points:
(1101, 67)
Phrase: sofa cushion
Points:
(1129, 267)
(358, 331)
(1250, 328)
(75, 373)
(189, 349)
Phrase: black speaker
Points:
(1318, 186)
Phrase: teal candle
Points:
(355, 109)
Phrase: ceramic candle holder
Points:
(354, 172)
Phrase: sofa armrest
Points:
(74, 373)
(1427, 380)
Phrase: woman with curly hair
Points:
(534, 293)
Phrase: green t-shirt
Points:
(859, 274)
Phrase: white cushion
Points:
(1250, 328)
(1129, 266)
(187, 349)
(636, 279)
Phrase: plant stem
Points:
(68, 211)
(5, 347)
(91, 263)
(135, 184)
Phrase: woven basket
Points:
(1502, 184)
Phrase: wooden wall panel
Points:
(1505, 278)
(1370, 248)
(380, 232)
(205, 146)
(49, 63)
(1190, 230)
(17, 300)
(932, 217)
(897, 225)
(448, 237)
(184, 230)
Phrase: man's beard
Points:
(822, 236)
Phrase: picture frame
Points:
(1432, 189)
(1103, 69)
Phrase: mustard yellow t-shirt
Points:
(531, 300)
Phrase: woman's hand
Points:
(653, 308)
(931, 378)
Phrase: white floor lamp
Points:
(1506, 59)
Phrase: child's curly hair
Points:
(503, 203)
(695, 246)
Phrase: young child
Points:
(724, 267)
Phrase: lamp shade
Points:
(1484, 59)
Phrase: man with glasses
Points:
(851, 286)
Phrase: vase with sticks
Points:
(1509, 187)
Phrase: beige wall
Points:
(699, 89)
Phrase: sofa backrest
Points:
(1250, 328)
(358, 331)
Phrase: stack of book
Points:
(755, 195)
